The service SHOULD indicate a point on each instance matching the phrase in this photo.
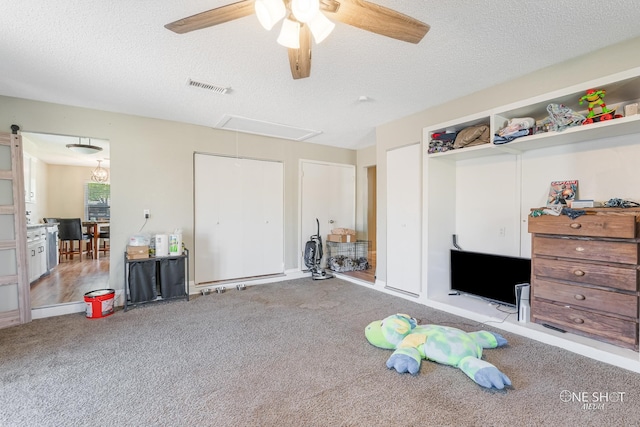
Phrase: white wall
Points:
(408, 130)
(65, 190)
(605, 168)
(152, 166)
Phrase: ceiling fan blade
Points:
(379, 20)
(212, 17)
(300, 59)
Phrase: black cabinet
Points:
(156, 279)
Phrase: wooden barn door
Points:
(15, 305)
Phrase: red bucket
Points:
(99, 303)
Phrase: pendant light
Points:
(100, 174)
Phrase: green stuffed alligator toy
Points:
(442, 344)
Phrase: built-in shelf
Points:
(621, 89)
(486, 202)
(572, 135)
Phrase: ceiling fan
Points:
(304, 18)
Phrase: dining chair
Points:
(103, 235)
(70, 231)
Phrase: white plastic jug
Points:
(162, 245)
(175, 244)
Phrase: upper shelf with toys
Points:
(558, 118)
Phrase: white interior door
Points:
(328, 192)
(404, 225)
(15, 305)
(239, 218)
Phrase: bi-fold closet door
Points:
(239, 218)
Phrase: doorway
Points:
(372, 218)
(327, 193)
(369, 226)
(58, 185)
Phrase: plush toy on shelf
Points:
(596, 98)
(442, 344)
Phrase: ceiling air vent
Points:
(208, 86)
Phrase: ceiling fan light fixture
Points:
(320, 27)
(305, 10)
(290, 34)
(365, 15)
(84, 148)
(269, 12)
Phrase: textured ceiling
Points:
(117, 56)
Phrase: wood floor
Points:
(368, 275)
(69, 281)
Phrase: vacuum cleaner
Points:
(313, 256)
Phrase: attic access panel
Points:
(259, 127)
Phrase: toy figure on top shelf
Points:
(596, 98)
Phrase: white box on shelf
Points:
(162, 245)
(579, 204)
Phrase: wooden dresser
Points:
(584, 276)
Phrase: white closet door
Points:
(262, 217)
(404, 229)
(239, 218)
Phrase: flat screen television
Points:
(492, 277)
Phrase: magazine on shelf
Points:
(562, 192)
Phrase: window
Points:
(97, 201)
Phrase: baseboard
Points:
(58, 310)
(287, 275)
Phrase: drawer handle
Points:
(579, 297)
(575, 225)
(578, 273)
(580, 249)
(578, 320)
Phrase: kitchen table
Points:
(93, 229)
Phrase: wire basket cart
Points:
(348, 256)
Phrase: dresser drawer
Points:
(624, 278)
(615, 226)
(623, 333)
(607, 251)
(588, 298)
